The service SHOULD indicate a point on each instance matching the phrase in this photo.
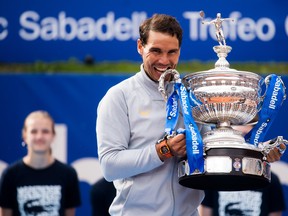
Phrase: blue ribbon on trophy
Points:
(194, 144)
(273, 99)
(172, 113)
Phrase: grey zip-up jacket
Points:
(130, 120)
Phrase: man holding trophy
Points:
(142, 148)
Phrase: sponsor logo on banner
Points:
(107, 28)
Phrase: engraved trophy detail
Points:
(223, 97)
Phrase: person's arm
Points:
(279, 213)
(121, 153)
(6, 212)
(274, 154)
(7, 192)
(205, 210)
(209, 203)
(72, 192)
(70, 212)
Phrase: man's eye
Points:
(156, 51)
(173, 52)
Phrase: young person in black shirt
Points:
(39, 184)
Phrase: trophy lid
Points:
(222, 68)
(224, 94)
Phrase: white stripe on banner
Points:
(278, 168)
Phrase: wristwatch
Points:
(164, 148)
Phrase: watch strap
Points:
(164, 148)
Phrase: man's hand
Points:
(177, 145)
(276, 153)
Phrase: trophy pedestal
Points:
(228, 169)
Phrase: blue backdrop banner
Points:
(72, 101)
(56, 30)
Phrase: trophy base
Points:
(222, 182)
(241, 169)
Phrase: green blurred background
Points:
(125, 67)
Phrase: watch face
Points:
(165, 150)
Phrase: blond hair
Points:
(36, 113)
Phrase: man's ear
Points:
(139, 47)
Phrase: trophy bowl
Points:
(226, 95)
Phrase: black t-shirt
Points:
(101, 196)
(253, 202)
(47, 191)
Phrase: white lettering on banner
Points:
(68, 28)
(184, 96)
(27, 20)
(195, 143)
(193, 25)
(276, 89)
(173, 112)
(280, 167)
(186, 107)
(259, 132)
(88, 168)
(3, 28)
(246, 28)
(286, 25)
(108, 28)
(3, 166)
(262, 25)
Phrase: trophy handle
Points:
(267, 147)
(267, 82)
(175, 77)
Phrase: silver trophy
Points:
(227, 97)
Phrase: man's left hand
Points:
(276, 153)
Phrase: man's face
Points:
(161, 52)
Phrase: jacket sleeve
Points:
(117, 159)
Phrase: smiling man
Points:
(133, 150)
(130, 127)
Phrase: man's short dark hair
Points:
(160, 23)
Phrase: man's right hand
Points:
(177, 145)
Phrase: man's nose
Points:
(164, 59)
